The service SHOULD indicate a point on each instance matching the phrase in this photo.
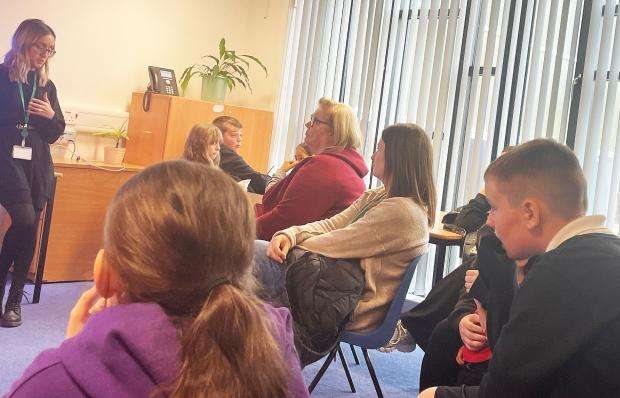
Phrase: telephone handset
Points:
(162, 81)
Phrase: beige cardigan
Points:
(386, 239)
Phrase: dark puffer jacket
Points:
(322, 293)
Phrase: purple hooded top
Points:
(126, 351)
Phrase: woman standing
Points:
(30, 120)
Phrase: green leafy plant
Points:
(228, 65)
(119, 134)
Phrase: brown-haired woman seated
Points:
(178, 242)
(386, 227)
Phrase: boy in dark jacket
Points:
(561, 336)
(231, 162)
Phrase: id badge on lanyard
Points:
(22, 151)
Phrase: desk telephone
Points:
(162, 81)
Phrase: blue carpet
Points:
(45, 323)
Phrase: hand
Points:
(88, 304)
(470, 277)
(472, 334)
(102, 304)
(278, 248)
(288, 164)
(81, 311)
(41, 108)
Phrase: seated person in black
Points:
(560, 339)
(231, 162)
(465, 333)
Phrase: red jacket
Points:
(318, 188)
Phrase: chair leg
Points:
(373, 375)
(326, 364)
(346, 369)
(357, 361)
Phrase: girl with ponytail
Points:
(177, 315)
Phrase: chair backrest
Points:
(381, 335)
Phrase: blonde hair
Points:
(181, 234)
(223, 121)
(199, 138)
(27, 34)
(343, 122)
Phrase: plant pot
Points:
(112, 155)
(214, 88)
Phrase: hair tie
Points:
(216, 282)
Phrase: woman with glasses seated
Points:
(322, 185)
(30, 120)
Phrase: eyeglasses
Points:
(43, 50)
(314, 120)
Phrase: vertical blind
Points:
(596, 134)
(477, 75)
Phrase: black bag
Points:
(468, 218)
(322, 293)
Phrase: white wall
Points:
(104, 47)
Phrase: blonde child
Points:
(203, 144)
(302, 151)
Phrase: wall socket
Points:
(70, 117)
(83, 119)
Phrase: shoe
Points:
(13, 311)
(401, 340)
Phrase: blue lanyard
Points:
(24, 127)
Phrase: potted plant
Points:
(115, 154)
(225, 71)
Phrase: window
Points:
(477, 75)
(594, 135)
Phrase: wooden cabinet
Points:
(160, 133)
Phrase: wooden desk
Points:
(76, 230)
(72, 231)
(442, 238)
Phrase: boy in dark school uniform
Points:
(561, 339)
